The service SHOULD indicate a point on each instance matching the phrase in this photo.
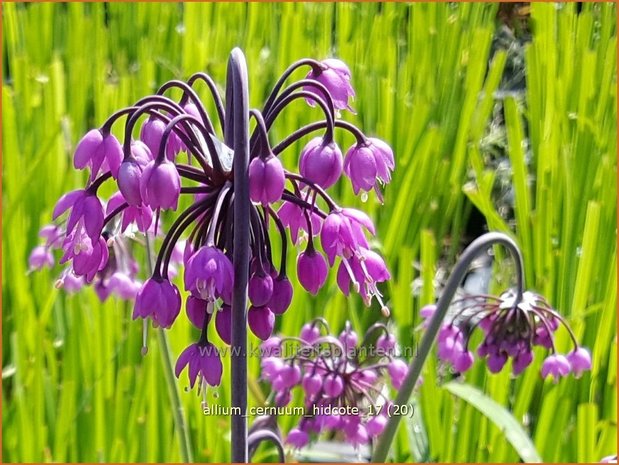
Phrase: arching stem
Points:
(414, 369)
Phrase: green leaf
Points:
(501, 417)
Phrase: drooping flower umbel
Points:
(511, 328)
(341, 379)
(179, 160)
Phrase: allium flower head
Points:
(152, 174)
(511, 328)
(337, 377)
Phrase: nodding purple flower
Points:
(260, 289)
(293, 217)
(364, 274)
(129, 176)
(86, 210)
(555, 366)
(140, 215)
(266, 180)
(158, 299)
(40, 257)
(88, 256)
(511, 329)
(335, 76)
(311, 270)
(160, 185)
(261, 321)
(310, 332)
(204, 363)
(281, 295)
(152, 133)
(96, 151)
(342, 234)
(580, 361)
(297, 438)
(321, 162)
(196, 310)
(331, 373)
(369, 165)
(69, 282)
(123, 285)
(209, 275)
(99, 248)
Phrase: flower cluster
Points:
(152, 176)
(511, 325)
(341, 379)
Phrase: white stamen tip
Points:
(385, 311)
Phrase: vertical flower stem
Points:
(180, 422)
(414, 370)
(237, 136)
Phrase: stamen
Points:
(144, 350)
(355, 284)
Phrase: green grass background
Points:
(74, 385)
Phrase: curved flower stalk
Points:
(179, 152)
(342, 380)
(512, 324)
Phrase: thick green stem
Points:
(180, 422)
(414, 370)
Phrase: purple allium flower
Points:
(197, 313)
(151, 133)
(129, 176)
(335, 76)
(332, 377)
(140, 215)
(69, 282)
(95, 151)
(311, 270)
(160, 185)
(209, 275)
(511, 329)
(297, 438)
(86, 209)
(293, 217)
(281, 296)
(363, 275)
(123, 285)
(310, 332)
(556, 366)
(369, 165)
(261, 321)
(266, 180)
(158, 299)
(580, 361)
(88, 256)
(204, 363)
(386, 343)
(321, 162)
(40, 257)
(260, 289)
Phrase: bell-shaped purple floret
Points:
(158, 299)
(311, 271)
(321, 162)
(160, 185)
(261, 321)
(266, 180)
